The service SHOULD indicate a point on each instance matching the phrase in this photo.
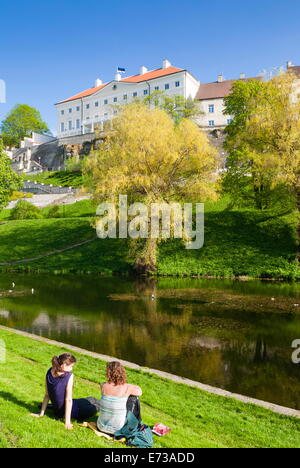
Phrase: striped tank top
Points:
(113, 414)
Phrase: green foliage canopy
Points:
(21, 121)
(9, 180)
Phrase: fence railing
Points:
(36, 187)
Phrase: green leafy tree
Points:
(21, 121)
(177, 107)
(249, 178)
(268, 141)
(9, 180)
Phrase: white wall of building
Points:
(81, 115)
(215, 118)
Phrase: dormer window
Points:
(115, 87)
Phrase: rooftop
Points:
(158, 73)
(295, 69)
(219, 89)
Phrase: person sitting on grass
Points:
(118, 398)
(59, 390)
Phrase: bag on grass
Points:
(136, 434)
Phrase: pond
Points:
(230, 334)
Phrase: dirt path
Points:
(53, 252)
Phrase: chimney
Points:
(242, 76)
(220, 79)
(289, 64)
(166, 64)
(118, 76)
(98, 82)
(143, 70)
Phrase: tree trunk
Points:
(145, 263)
(298, 226)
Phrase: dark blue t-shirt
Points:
(57, 393)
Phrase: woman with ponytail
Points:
(59, 390)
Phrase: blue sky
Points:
(52, 50)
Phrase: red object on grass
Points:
(160, 429)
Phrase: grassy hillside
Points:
(59, 178)
(197, 418)
(238, 242)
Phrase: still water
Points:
(230, 334)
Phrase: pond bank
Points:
(197, 418)
(165, 375)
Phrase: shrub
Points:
(54, 212)
(25, 210)
(17, 195)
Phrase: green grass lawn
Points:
(58, 178)
(237, 242)
(197, 418)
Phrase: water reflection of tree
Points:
(260, 350)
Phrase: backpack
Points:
(136, 434)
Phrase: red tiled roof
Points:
(86, 93)
(160, 72)
(219, 90)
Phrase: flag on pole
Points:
(121, 70)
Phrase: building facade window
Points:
(77, 108)
(77, 123)
(62, 112)
(229, 121)
(211, 108)
(125, 97)
(167, 86)
(96, 104)
(211, 123)
(115, 99)
(156, 88)
(87, 106)
(134, 94)
(62, 127)
(177, 84)
(145, 92)
(70, 111)
(105, 102)
(70, 124)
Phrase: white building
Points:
(23, 158)
(211, 98)
(79, 114)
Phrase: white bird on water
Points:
(13, 284)
(32, 291)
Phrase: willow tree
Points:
(151, 159)
(263, 143)
(269, 137)
(273, 135)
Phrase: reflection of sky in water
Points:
(4, 313)
(216, 332)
